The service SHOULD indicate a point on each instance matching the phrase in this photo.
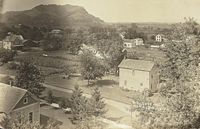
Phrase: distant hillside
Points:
(54, 16)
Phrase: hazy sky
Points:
(124, 10)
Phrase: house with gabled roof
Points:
(160, 38)
(138, 75)
(19, 104)
(130, 43)
(13, 41)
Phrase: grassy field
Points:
(53, 62)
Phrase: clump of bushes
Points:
(6, 55)
(50, 98)
(147, 93)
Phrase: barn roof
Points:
(136, 64)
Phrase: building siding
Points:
(133, 79)
(21, 103)
(24, 112)
(7, 45)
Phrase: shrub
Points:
(7, 55)
(147, 93)
(50, 97)
(62, 103)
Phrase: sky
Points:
(123, 10)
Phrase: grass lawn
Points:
(108, 85)
(54, 59)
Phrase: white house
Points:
(130, 43)
(139, 41)
(138, 75)
(13, 41)
(158, 38)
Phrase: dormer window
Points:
(25, 100)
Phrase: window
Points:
(25, 101)
(125, 82)
(30, 117)
(151, 86)
(152, 76)
(141, 84)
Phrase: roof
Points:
(136, 64)
(162, 35)
(129, 40)
(13, 37)
(139, 39)
(9, 97)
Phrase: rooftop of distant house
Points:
(132, 40)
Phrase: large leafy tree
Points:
(108, 43)
(180, 31)
(180, 92)
(53, 42)
(29, 78)
(73, 42)
(182, 60)
(92, 68)
(6, 55)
